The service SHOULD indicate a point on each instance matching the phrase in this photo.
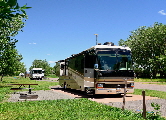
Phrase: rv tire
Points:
(119, 95)
(87, 91)
(64, 85)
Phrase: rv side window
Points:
(76, 64)
(82, 64)
(90, 61)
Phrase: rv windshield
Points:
(37, 71)
(114, 60)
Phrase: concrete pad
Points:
(129, 97)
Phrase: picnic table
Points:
(22, 86)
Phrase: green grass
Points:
(152, 93)
(150, 80)
(5, 88)
(153, 81)
(71, 109)
(52, 76)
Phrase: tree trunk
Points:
(1, 77)
(154, 74)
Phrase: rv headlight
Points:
(132, 84)
(99, 85)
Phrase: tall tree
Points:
(148, 48)
(42, 64)
(12, 18)
(121, 42)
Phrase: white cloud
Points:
(33, 43)
(162, 12)
(51, 61)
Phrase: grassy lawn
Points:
(152, 93)
(52, 76)
(150, 80)
(71, 109)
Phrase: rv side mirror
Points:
(95, 66)
(62, 66)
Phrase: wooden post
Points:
(144, 105)
(124, 96)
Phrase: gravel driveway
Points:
(144, 85)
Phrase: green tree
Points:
(148, 48)
(54, 68)
(12, 18)
(121, 42)
(42, 64)
(20, 68)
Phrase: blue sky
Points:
(55, 29)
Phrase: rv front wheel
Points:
(87, 91)
(64, 85)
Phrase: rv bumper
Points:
(113, 90)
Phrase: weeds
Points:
(155, 115)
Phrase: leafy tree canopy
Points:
(148, 48)
(42, 64)
(12, 18)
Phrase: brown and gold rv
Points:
(101, 69)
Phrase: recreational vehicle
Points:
(101, 69)
(36, 73)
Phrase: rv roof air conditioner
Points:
(109, 43)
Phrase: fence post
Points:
(124, 96)
(144, 105)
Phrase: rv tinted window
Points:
(90, 61)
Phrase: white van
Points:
(36, 73)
